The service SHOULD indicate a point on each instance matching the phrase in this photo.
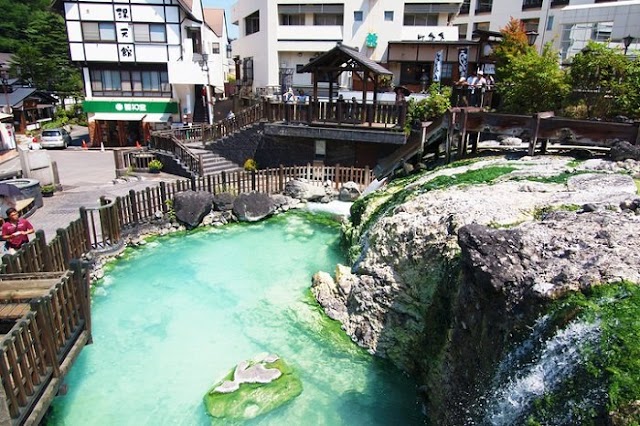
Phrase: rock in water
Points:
(253, 388)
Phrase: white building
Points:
(567, 24)
(276, 37)
(146, 63)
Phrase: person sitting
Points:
(16, 230)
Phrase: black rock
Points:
(191, 207)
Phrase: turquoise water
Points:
(175, 316)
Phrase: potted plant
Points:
(250, 165)
(48, 190)
(155, 166)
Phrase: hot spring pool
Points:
(174, 317)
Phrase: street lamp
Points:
(627, 42)
(205, 67)
(531, 37)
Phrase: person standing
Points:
(16, 230)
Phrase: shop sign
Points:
(130, 106)
(371, 40)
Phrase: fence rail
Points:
(34, 351)
(100, 228)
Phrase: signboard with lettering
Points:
(130, 106)
(126, 53)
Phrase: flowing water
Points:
(177, 315)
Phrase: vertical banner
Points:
(437, 66)
(463, 62)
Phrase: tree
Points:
(603, 79)
(522, 72)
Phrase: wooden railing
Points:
(100, 228)
(34, 352)
(338, 113)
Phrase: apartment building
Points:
(278, 37)
(567, 24)
(146, 63)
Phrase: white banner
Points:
(463, 62)
(437, 65)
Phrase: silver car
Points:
(55, 138)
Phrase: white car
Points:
(55, 138)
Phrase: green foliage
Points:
(48, 189)
(540, 213)
(38, 39)
(606, 81)
(514, 43)
(436, 104)
(610, 367)
(155, 165)
(250, 165)
(171, 211)
(530, 73)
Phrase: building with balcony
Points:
(567, 24)
(276, 38)
(146, 64)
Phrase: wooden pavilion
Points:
(330, 65)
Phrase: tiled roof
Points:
(342, 54)
(214, 18)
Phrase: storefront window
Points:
(130, 83)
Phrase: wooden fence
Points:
(100, 228)
(39, 349)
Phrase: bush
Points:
(155, 165)
(438, 101)
(250, 165)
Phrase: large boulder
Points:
(303, 190)
(252, 388)
(623, 150)
(192, 206)
(349, 191)
(253, 206)
(223, 202)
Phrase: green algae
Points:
(253, 399)
(607, 383)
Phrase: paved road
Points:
(85, 175)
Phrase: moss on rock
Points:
(253, 399)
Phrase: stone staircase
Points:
(212, 163)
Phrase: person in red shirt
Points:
(15, 231)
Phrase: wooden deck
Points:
(45, 322)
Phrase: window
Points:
(550, 23)
(228, 51)
(149, 33)
(327, 19)
(196, 41)
(358, 16)
(388, 15)
(99, 31)
(531, 24)
(130, 83)
(483, 6)
(247, 70)
(215, 48)
(481, 26)
(252, 23)
(412, 73)
(421, 19)
(464, 9)
(531, 4)
(291, 19)
(462, 31)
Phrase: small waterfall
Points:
(535, 367)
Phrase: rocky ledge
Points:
(453, 268)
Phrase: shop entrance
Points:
(121, 133)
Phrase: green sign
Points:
(130, 106)
(371, 40)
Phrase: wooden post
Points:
(281, 178)
(450, 131)
(200, 165)
(64, 244)
(87, 230)
(134, 206)
(535, 128)
(367, 175)
(462, 145)
(223, 175)
(5, 416)
(44, 250)
(163, 196)
(82, 284)
(253, 180)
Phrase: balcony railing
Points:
(464, 9)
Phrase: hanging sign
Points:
(371, 40)
(437, 65)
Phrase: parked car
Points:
(55, 138)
